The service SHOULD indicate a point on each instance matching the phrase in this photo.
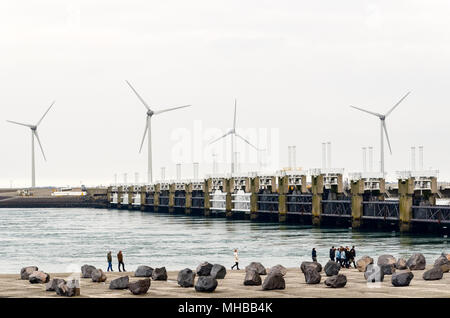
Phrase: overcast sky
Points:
(294, 67)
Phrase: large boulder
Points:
(119, 283)
(204, 269)
(313, 265)
(434, 273)
(274, 281)
(386, 260)
(252, 278)
(402, 278)
(278, 268)
(416, 262)
(443, 263)
(336, 281)
(206, 284)
(98, 276)
(25, 272)
(218, 271)
(388, 269)
(68, 289)
(143, 271)
(159, 274)
(362, 263)
(39, 277)
(139, 287)
(51, 285)
(373, 274)
(257, 267)
(186, 278)
(86, 271)
(401, 264)
(312, 276)
(332, 268)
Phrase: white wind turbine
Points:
(383, 129)
(34, 133)
(148, 129)
(233, 133)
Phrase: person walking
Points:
(314, 255)
(343, 258)
(348, 256)
(338, 256)
(109, 259)
(332, 253)
(120, 260)
(236, 260)
(353, 256)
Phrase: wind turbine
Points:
(34, 133)
(233, 134)
(383, 129)
(148, 129)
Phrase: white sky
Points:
(292, 65)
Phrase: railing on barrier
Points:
(387, 210)
(341, 208)
(218, 201)
(179, 200)
(163, 200)
(150, 199)
(435, 213)
(268, 203)
(299, 203)
(241, 201)
(124, 198)
(115, 198)
(136, 199)
(198, 200)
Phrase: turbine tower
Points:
(383, 129)
(34, 133)
(148, 129)
(233, 134)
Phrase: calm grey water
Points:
(61, 240)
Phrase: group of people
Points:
(342, 255)
(119, 260)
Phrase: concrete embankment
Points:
(232, 287)
(52, 202)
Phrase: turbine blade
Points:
(367, 111)
(157, 112)
(234, 121)
(17, 123)
(220, 137)
(246, 140)
(139, 96)
(39, 142)
(387, 136)
(401, 100)
(143, 137)
(45, 114)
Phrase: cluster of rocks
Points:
(34, 275)
(207, 273)
(58, 285)
(312, 271)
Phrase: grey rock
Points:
(206, 284)
(39, 277)
(25, 272)
(143, 271)
(204, 269)
(86, 271)
(312, 276)
(159, 274)
(443, 263)
(252, 278)
(119, 283)
(434, 273)
(139, 287)
(336, 281)
(257, 267)
(402, 278)
(278, 268)
(68, 289)
(51, 285)
(386, 259)
(218, 271)
(416, 262)
(362, 263)
(388, 269)
(332, 268)
(186, 278)
(373, 274)
(315, 265)
(401, 264)
(98, 276)
(274, 281)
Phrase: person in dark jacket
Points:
(332, 253)
(353, 256)
(109, 259)
(120, 260)
(314, 255)
(347, 257)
